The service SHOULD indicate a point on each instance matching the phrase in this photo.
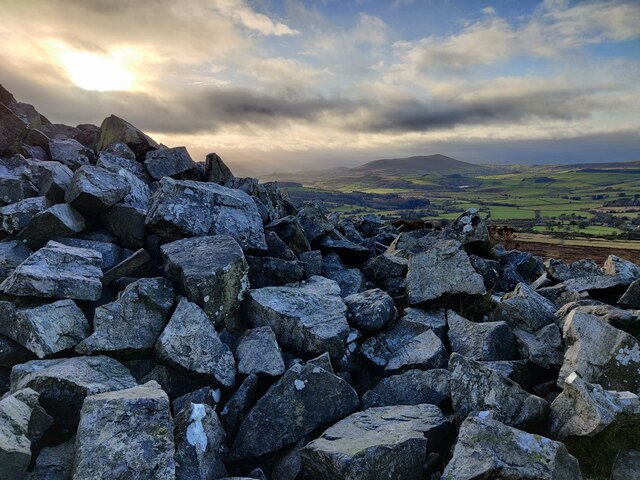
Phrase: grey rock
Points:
(488, 269)
(52, 178)
(128, 267)
(435, 319)
(16, 216)
(413, 387)
(11, 352)
(258, 352)
(523, 372)
(443, 269)
(134, 321)
(168, 162)
(424, 351)
(316, 396)
(619, 267)
(525, 309)
(475, 388)
(239, 403)
(54, 463)
(269, 271)
(191, 343)
(12, 254)
(597, 283)
(385, 266)
(117, 130)
(626, 466)
(213, 273)
(350, 280)
(125, 434)
(127, 222)
(116, 162)
(370, 310)
(314, 222)
(215, 170)
(12, 131)
(187, 208)
(352, 253)
(277, 248)
(95, 189)
(290, 232)
(488, 449)
(560, 271)
(543, 347)
(57, 271)
(200, 444)
(469, 228)
(111, 253)
(312, 262)
(205, 395)
(631, 298)
(306, 317)
(480, 341)
(70, 152)
(379, 443)
(57, 221)
(63, 383)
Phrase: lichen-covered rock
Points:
(168, 162)
(54, 463)
(125, 434)
(70, 152)
(306, 317)
(350, 280)
(258, 352)
(488, 449)
(134, 321)
(290, 232)
(239, 403)
(116, 130)
(469, 228)
(304, 399)
(370, 310)
(314, 222)
(190, 343)
(181, 208)
(619, 267)
(270, 272)
(412, 387)
(213, 273)
(475, 387)
(631, 298)
(480, 341)
(16, 216)
(379, 443)
(385, 266)
(442, 269)
(524, 309)
(52, 178)
(95, 189)
(560, 271)
(424, 351)
(57, 271)
(57, 221)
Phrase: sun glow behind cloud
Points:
(97, 72)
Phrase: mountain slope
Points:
(414, 165)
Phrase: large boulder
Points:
(443, 269)
(12, 254)
(269, 271)
(134, 321)
(169, 162)
(306, 317)
(560, 271)
(52, 178)
(412, 387)
(190, 343)
(258, 352)
(290, 232)
(379, 443)
(181, 208)
(370, 310)
(16, 216)
(117, 130)
(469, 228)
(57, 271)
(95, 189)
(70, 152)
(57, 221)
(631, 298)
(351, 280)
(488, 449)
(480, 341)
(424, 351)
(125, 434)
(304, 399)
(212, 272)
(54, 463)
(12, 131)
(314, 222)
(215, 170)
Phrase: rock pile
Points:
(163, 319)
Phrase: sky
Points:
(293, 85)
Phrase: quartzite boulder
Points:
(379, 443)
(480, 341)
(488, 449)
(304, 399)
(168, 162)
(410, 388)
(306, 317)
(181, 208)
(134, 321)
(191, 343)
(213, 273)
(443, 269)
(125, 434)
(57, 271)
(95, 189)
(370, 310)
(258, 352)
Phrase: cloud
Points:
(242, 14)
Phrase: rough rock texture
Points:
(54, 463)
(350, 280)
(189, 342)
(305, 317)
(116, 130)
(631, 298)
(423, 351)
(258, 352)
(125, 434)
(480, 341)
(443, 269)
(181, 208)
(370, 310)
(304, 399)
(213, 273)
(378, 443)
(469, 228)
(134, 321)
(94, 189)
(215, 170)
(16, 216)
(57, 221)
(410, 388)
(168, 162)
(488, 449)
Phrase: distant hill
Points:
(418, 165)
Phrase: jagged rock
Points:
(585, 409)
(560, 295)
(16, 216)
(205, 395)
(350, 280)
(559, 271)
(190, 343)
(200, 443)
(57, 271)
(469, 228)
(443, 269)
(52, 178)
(488, 269)
(626, 466)
(597, 283)
(57, 221)
(524, 372)
(316, 396)
(312, 262)
(12, 131)
(169, 162)
(423, 351)
(125, 434)
(314, 222)
(239, 403)
(435, 319)
(475, 387)
(258, 352)
(95, 189)
(488, 449)
(600, 353)
(134, 321)
(269, 271)
(413, 387)
(213, 273)
(631, 298)
(277, 248)
(543, 347)
(115, 163)
(370, 310)
(127, 222)
(128, 267)
(12, 254)
(379, 443)
(117, 130)
(347, 228)
(188, 208)
(11, 352)
(385, 266)
(22, 422)
(215, 170)
(416, 241)
(350, 252)
(54, 463)
(619, 267)
(63, 383)
(174, 382)
(480, 341)
(70, 152)
(524, 309)
(290, 232)
(306, 317)
(111, 253)
(47, 329)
